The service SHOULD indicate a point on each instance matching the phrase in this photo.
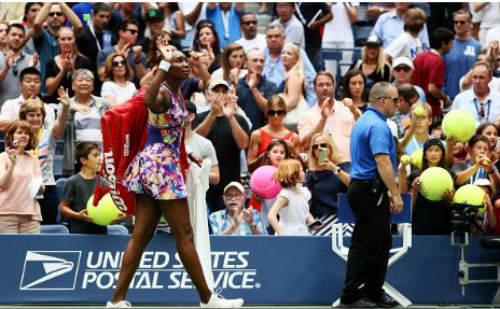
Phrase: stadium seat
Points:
(337, 54)
(117, 229)
(60, 184)
(345, 215)
(54, 229)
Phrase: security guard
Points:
(371, 193)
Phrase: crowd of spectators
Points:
(254, 97)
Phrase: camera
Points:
(462, 217)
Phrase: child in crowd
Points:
(478, 165)
(292, 202)
(80, 188)
(429, 217)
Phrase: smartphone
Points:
(322, 152)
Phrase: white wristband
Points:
(164, 65)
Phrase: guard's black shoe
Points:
(360, 303)
(385, 301)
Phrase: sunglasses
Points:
(14, 68)
(118, 63)
(133, 31)
(460, 22)
(322, 145)
(54, 14)
(394, 100)
(402, 68)
(250, 22)
(280, 112)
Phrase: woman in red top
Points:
(274, 130)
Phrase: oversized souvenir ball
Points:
(459, 124)
(262, 182)
(434, 182)
(471, 195)
(405, 159)
(105, 211)
(417, 158)
(419, 111)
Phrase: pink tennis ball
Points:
(262, 182)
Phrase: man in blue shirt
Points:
(463, 54)
(391, 24)
(226, 18)
(254, 90)
(481, 101)
(274, 69)
(371, 193)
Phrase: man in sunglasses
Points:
(250, 38)
(45, 39)
(463, 54)
(254, 89)
(128, 33)
(402, 71)
(13, 62)
(373, 194)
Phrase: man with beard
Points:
(13, 62)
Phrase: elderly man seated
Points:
(235, 219)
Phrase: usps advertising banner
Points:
(264, 270)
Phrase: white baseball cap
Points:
(235, 184)
(402, 60)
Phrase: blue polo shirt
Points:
(370, 136)
(247, 102)
(47, 48)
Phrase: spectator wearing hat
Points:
(226, 18)
(235, 219)
(373, 63)
(155, 23)
(402, 71)
(228, 132)
(430, 69)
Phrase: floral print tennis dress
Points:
(156, 169)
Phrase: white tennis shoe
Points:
(120, 304)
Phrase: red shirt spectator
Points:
(429, 69)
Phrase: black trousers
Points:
(370, 243)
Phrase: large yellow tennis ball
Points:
(405, 159)
(417, 158)
(105, 212)
(459, 124)
(419, 111)
(471, 195)
(434, 181)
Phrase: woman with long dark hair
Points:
(206, 38)
(155, 176)
(353, 87)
